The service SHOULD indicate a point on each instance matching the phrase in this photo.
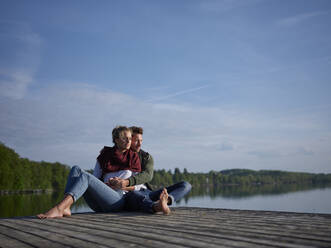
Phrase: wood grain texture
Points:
(184, 227)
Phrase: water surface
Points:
(293, 198)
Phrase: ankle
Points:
(156, 207)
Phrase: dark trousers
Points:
(143, 200)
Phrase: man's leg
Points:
(176, 192)
(162, 204)
(140, 201)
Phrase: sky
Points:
(216, 84)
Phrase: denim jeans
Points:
(144, 200)
(99, 196)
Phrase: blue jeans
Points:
(98, 195)
(144, 200)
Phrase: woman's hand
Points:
(118, 183)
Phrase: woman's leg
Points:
(98, 195)
(102, 198)
(80, 182)
(75, 184)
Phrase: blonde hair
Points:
(117, 132)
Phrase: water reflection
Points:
(312, 200)
(235, 191)
(31, 204)
(250, 197)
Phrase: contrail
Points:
(177, 93)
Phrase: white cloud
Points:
(22, 48)
(14, 84)
(224, 5)
(70, 123)
(297, 19)
(178, 93)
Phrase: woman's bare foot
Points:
(54, 212)
(60, 210)
(67, 212)
(162, 204)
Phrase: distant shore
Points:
(25, 191)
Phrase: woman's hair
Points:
(136, 130)
(117, 131)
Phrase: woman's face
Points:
(124, 141)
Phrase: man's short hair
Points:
(136, 130)
(118, 130)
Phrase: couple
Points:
(120, 180)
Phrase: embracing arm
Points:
(143, 177)
(130, 188)
(146, 175)
(115, 183)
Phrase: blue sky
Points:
(215, 84)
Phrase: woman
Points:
(97, 194)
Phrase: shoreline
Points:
(26, 191)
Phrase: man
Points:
(146, 199)
(146, 160)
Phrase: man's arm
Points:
(131, 188)
(146, 175)
(114, 186)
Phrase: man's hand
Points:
(118, 183)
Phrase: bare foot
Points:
(162, 204)
(67, 212)
(60, 210)
(54, 212)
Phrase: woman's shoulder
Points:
(106, 149)
(105, 152)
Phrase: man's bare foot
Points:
(54, 212)
(162, 204)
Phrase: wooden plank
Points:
(25, 237)
(196, 239)
(212, 232)
(124, 234)
(128, 224)
(185, 227)
(64, 236)
(10, 242)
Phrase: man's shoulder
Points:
(144, 154)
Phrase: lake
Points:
(292, 198)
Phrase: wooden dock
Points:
(184, 227)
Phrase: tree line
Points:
(238, 177)
(20, 174)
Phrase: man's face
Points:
(124, 141)
(137, 140)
